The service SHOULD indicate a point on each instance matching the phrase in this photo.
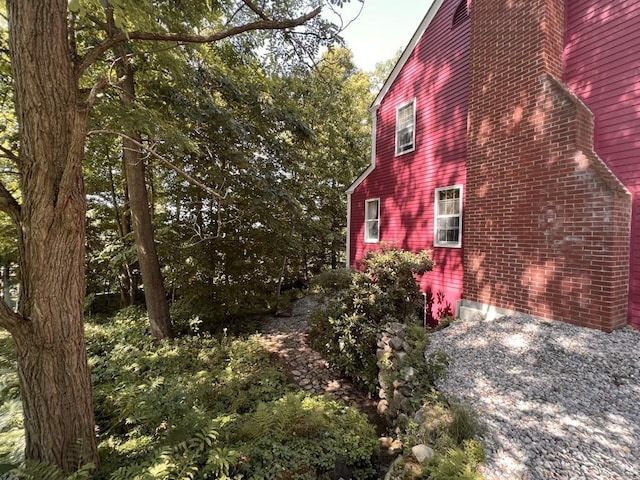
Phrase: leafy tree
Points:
(53, 99)
(335, 104)
(382, 71)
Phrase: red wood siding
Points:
(602, 66)
(436, 76)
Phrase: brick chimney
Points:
(546, 222)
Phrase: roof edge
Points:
(426, 21)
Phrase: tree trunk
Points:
(154, 292)
(126, 280)
(55, 382)
(6, 284)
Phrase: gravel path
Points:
(558, 401)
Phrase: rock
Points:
(408, 373)
(419, 416)
(383, 406)
(396, 343)
(392, 474)
(406, 391)
(400, 356)
(422, 453)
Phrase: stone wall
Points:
(400, 385)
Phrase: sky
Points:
(382, 28)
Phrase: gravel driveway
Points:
(558, 401)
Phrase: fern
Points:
(198, 456)
(457, 463)
(44, 471)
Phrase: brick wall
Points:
(546, 222)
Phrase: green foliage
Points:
(457, 463)
(393, 272)
(464, 424)
(353, 314)
(218, 113)
(206, 407)
(451, 430)
(43, 471)
(195, 315)
(11, 426)
(144, 387)
(199, 456)
(319, 437)
(331, 282)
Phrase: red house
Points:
(507, 140)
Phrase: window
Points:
(448, 221)
(405, 127)
(372, 220)
(461, 13)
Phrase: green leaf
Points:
(6, 468)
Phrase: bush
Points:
(332, 281)
(307, 437)
(356, 305)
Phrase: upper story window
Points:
(405, 127)
(448, 217)
(372, 220)
(461, 13)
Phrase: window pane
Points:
(405, 131)
(405, 139)
(405, 116)
(448, 216)
(448, 207)
(372, 230)
(372, 210)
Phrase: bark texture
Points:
(154, 293)
(55, 381)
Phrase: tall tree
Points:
(52, 113)
(154, 292)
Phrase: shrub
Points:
(332, 281)
(356, 305)
(306, 437)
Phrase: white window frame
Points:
(445, 243)
(368, 221)
(412, 126)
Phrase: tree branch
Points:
(97, 88)
(9, 204)
(8, 318)
(254, 8)
(164, 161)
(10, 155)
(94, 54)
